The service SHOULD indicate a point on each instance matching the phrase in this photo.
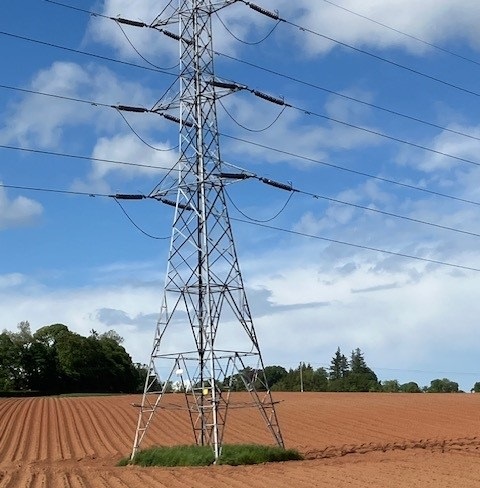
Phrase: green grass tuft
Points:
(233, 454)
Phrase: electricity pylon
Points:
(204, 297)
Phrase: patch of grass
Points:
(173, 456)
(233, 454)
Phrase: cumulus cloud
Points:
(289, 128)
(18, 211)
(434, 22)
(152, 161)
(42, 121)
(236, 22)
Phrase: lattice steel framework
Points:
(204, 297)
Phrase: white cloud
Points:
(433, 21)
(445, 143)
(42, 122)
(315, 136)
(126, 148)
(430, 20)
(237, 21)
(19, 211)
(153, 45)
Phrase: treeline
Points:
(344, 374)
(56, 360)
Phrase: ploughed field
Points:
(349, 440)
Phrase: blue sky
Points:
(78, 260)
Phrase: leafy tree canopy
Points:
(56, 360)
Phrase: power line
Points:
(90, 12)
(382, 212)
(393, 112)
(293, 190)
(85, 194)
(383, 135)
(306, 111)
(138, 52)
(86, 158)
(249, 129)
(259, 224)
(314, 195)
(136, 225)
(398, 31)
(277, 214)
(359, 246)
(347, 97)
(255, 43)
(378, 58)
(291, 154)
(53, 95)
(85, 53)
(53, 190)
(348, 170)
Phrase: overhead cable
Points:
(289, 231)
(358, 246)
(151, 236)
(347, 97)
(377, 57)
(410, 36)
(249, 129)
(349, 170)
(292, 189)
(253, 219)
(86, 158)
(53, 190)
(85, 53)
(249, 43)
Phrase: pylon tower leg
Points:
(204, 297)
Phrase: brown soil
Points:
(349, 440)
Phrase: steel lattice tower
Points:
(204, 296)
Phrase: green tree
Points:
(443, 385)
(314, 379)
(357, 362)
(476, 387)
(274, 374)
(56, 360)
(338, 366)
(9, 363)
(361, 377)
(410, 387)
(390, 386)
